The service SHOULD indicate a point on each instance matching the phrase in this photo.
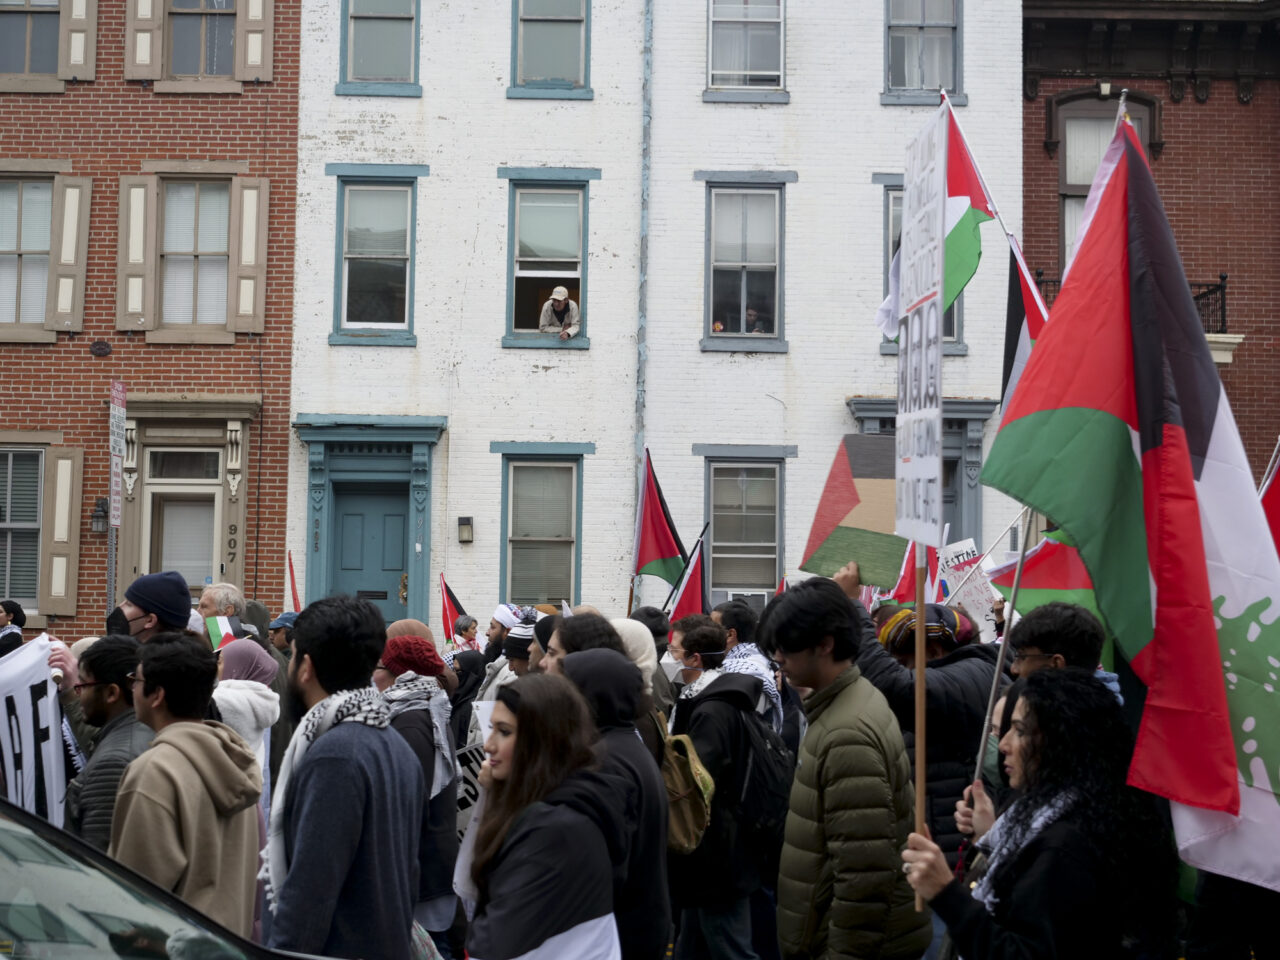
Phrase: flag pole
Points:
(972, 570)
(631, 597)
(1004, 647)
(922, 571)
(1271, 466)
(684, 569)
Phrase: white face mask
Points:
(670, 665)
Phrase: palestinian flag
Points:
(658, 550)
(968, 206)
(450, 610)
(222, 630)
(904, 591)
(1024, 319)
(1120, 431)
(690, 594)
(1052, 571)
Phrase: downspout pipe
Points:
(642, 296)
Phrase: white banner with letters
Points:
(31, 732)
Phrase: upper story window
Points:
(548, 251)
(29, 37)
(550, 55)
(198, 46)
(922, 51)
(746, 44)
(193, 261)
(26, 216)
(202, 37)
(542, 533)
(20, 488)
(376, 257)
(1086, 128)
(380, 48)
(893, 234)
(746, 526)
(746, 256)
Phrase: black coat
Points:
(956, 690)
(612, 686)
(1055, 900)
(720, 870)
(438, 838)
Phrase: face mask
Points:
(991, 762)
(117, 622)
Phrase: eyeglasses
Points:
(77, 687)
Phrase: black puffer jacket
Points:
(721, 870)
(956, 691)
(612, 686)
(91, 796)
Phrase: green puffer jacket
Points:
(841, 889)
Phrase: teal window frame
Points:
(553, 178)
(375, 174)
(953, 347)
(550, 91)
(534, 452)
(911, 97)
(346, 87)
(735, 94)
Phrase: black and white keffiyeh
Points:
(412, 692)
(364, 706)
(1001, 845)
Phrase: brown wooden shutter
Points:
(136, 261)
(247, 277)
(144, 39)
(60, 530)
(78, 39)
(68, 254)
(254, 36)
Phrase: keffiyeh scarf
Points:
(412, 692)
(366, 706)
(1001, 846)
(692, 689)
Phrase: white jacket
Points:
(249, 708)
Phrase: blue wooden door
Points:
(370, 538)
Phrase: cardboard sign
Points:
(31, 732)
(977, 596)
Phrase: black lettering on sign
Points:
(17, 789)
(39, 737)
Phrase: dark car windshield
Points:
(58, 901)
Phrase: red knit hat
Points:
(402, 654)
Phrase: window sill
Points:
(26, 333)
(363, 88)
(1222, 346)
(544, 341)
(950, 348)
(746, 344)
(920, 98)
(198, 86)
(373, 338)
(550, 93)
(711, 95)
(12, 84)
(208, 336)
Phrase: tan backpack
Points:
(689, 792)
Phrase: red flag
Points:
(904, 591)
(450, 609)
(1270, 496)
(690, 596)
(658, 550)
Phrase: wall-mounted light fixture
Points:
(1104, 89)
(98, 519)
(466, 532)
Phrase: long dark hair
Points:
(1081, 747)
(554, 737)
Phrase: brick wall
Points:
(1217, 178)
(107, 128)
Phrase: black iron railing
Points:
(1210, 298)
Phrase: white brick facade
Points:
(834, 134)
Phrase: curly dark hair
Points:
(1081, 746)
(588, 631)
(802, 616)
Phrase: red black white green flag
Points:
(450, 610)
(1025, 317)
(1121, 433)
(658, 550)
(690, 594)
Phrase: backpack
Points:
(689, 792)
(764, 793)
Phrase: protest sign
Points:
(31, 732)
(469, 760)
(918, 433)
(976, 595)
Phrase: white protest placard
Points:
(953, 554)
(469, 760)
(116, 423)
(482, 710)
(977, 596)
(31, 732)
(918, 432)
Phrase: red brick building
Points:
(148, 154)
(1204, 91)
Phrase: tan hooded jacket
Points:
(186, 818)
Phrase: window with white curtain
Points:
(376, 260)
(746, 44)
(745, 507)
(548, 250)
(745, 258)
(922, 45)
(551, 43)
(1087, 128)
(193, 259)
(26, 214)
(542, 530)
(20, 510)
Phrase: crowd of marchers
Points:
(731, 786)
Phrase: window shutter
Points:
(136, 264)
(68, 254)
(253, 39)
(247, 278)
(77, 39)
(60, 530)
(144, 39)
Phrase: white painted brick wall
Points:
(834, 133)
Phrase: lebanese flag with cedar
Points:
(1121, 433)
(658, 550)
(690, 594)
